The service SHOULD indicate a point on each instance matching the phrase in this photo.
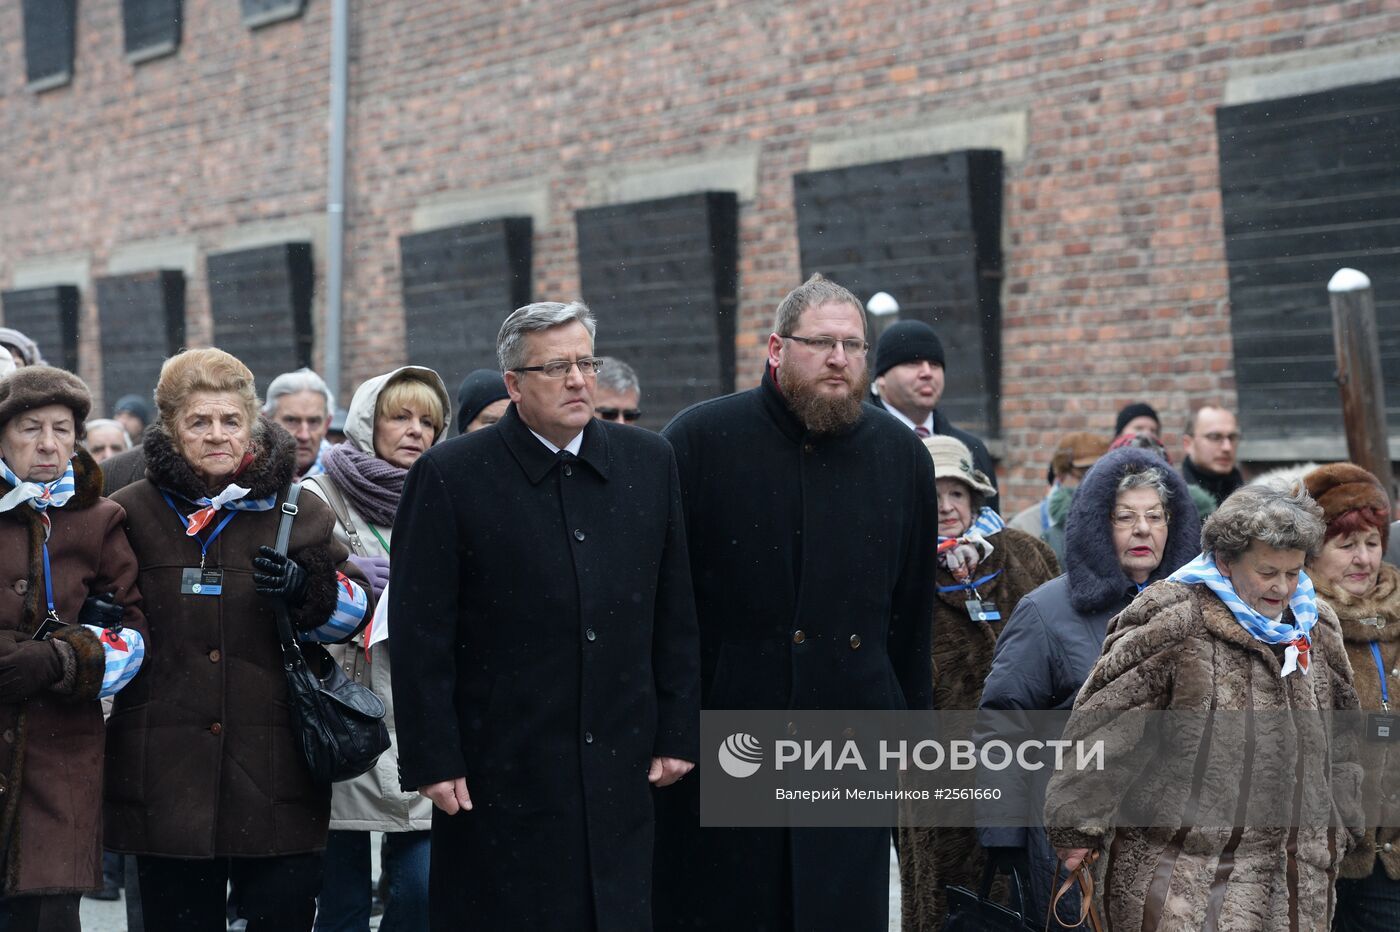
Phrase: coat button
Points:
(215, 656)
(591, 634)
(9, 736)
(216, 729)
(568, 470)
(21, 586)
(799, 636)
(588, 737)
(1386, 847)
(792, 728)
(848, 732)
(578, 534)
(808, 448)
(855, 641)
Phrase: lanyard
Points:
(377, 536)
(964, 587)
(48, 585)
(1380, 671)
(203, 542)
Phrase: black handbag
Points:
(339, 723)
(973, 910)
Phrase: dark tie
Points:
(922, 431)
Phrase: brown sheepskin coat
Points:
(1178, 648)
(202, 760)
(51, 744)
(932, 858)
(1374, 618)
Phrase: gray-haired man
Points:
(619, 394)
(546, 659)
(301, 404)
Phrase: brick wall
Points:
(1115, 280)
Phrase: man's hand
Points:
(450, 796)
(1072, 856)
(667, 770)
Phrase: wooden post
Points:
(1359, 373)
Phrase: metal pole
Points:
(1359, 373)
(335, 198)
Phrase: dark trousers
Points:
(276, 894)
(344, 904)
(1371, 904)
(56, 913)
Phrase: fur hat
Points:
(37, 386)
(953, 460)
(1343, 487)
(907, 341)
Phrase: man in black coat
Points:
(812, 520)
(542, 626)
(909, 378)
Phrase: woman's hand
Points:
(1072, 856)
(279, 576)
(376, 570)
(27, 667)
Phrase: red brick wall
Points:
(1115, 286)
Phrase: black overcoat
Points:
(830, 536)
(543, 633)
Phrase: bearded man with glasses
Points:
(542, 625)
(812, 521)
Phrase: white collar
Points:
(926, 425)
(573, 446)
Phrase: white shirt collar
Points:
(926, 425)
(573, 446)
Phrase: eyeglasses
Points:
(615, 414)
(1215, 437)
(1127, 519)
(558, 368)
(854, 348)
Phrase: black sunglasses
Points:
(610, 414)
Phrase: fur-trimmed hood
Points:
(274, 463)
(1095, 578)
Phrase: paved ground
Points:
(111, 917)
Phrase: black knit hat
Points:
(478, 390)
(907, 341)
(37, 386)
(1136, 409)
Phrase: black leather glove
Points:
(101, 611)
(26, 667)
(279, 576)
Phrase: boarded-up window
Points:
(260, 300)
(926, 230)
(662, 278)
(262, 12)
(151, 28)
(1308, 186)
(48, 42)
(142, 320)
(459, 283)
(49, 317)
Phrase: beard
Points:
(822, 414)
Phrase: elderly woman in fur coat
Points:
(1213, 820)
(205, 778)
(1132, 522)
(984, 570)
(70, 633)
(1365, 593)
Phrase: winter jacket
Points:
(931, 858)
(1052, 641)
(51, 744)
(374, 801)
(202, 761)
(1178, 648)
(1374, 619)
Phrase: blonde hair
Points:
(203, 370)
(410, 391)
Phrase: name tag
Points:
(1381, 727)
(196, 581)
(978, 610)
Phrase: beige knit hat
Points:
(953, 460)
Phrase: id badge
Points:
(196, 581)
(1382, 727)
(47, 629)
(978, 610)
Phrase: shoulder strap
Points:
(341, 509)
(284, 537)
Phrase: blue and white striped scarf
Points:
(987, 523)
(38, 495)
(1270, 631)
